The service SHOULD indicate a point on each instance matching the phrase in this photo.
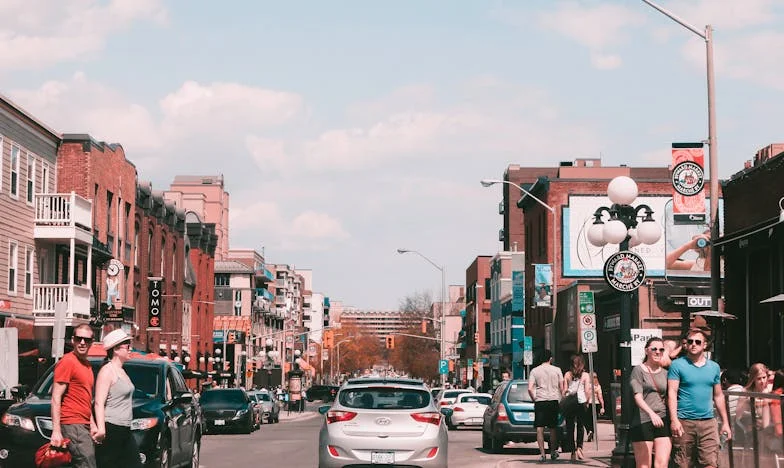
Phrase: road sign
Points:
(588, 321)
(470, 362)
(590, 343)
(528, 343)
(443, 366)
(585, 299)
(528, 357)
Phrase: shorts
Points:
(647, 432)
(700, 440)
(546, 413)
(81, 447)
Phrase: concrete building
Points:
(476, 327)
(289, 307)
(507, 314)
(234, 294)
(378, 323)
(207, 197)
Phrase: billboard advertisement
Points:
(543, 285)
(688, 181)
(687, 246)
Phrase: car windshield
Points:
(518, 393)
(384, 398)
(222, 396)
(146, 379)
(484, 400)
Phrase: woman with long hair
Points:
(577, 382)
(114, 406)
(650, 429)
(595, 404)
(758, 382)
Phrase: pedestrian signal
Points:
(390, 342)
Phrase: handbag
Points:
(48, 456)
(568, 404)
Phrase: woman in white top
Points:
(577, 382)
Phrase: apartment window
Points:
(136, 244)
(13, 264)
(45, 175)
(222, 279)
(42, 267)
(30, 178)
(149, 252)
(488, 292)
(109, 199)
(14, 188)
(163, 255)
(174, 262)
(29, 259)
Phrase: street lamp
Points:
(624, 271)
(337, 348)
(713, 155)
(442, 323)
(489, 182)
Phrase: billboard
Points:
(688, 180)
(687, 246)
(543, 285)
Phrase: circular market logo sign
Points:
(688, 178)
(624, 271)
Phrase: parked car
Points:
(166, 418)
(325, 393)
(448, 397)
(383, 421)
(510, 417)
(268, 406)
(468, 410)
(227, 409)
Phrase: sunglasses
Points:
(697, 342)
(657, 350)
(82, 339)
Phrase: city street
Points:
(294, 443)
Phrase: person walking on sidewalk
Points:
(693, 387)
(650, 429)
(72, 401)
(578, 387)
(545, 386)
(117, 447)
(595, 405)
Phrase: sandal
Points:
(580, 454)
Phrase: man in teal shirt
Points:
(693, 388)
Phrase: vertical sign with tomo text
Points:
(588, 322)
(155, 307)
(518, 291)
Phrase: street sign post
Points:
(528, 351)
(443, 366)
(58, 330)
(590, 343)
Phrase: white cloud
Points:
(39, 33)
(267, 153)
(605, 61)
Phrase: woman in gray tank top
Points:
(114, 406)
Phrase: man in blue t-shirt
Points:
(693, 388)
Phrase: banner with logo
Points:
(688, 181)
(518, 291)
(543, 285)
(154, 303)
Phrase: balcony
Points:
(263, 292)
(265, 273)
(62, 217)
(76, 299)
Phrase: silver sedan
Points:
(385, 422)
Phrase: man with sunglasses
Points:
(693, 388)
(72, 401)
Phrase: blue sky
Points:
(346, 130)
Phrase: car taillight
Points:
(432, 453)
(340, 416)
(457, 408)
(429, 417)
(333, 451)
(502, 416)
(444, 403)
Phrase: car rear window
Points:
(384, 398)
(222, 396)
(484, 400)
(262, 397)
(452, 394)
(518, 393)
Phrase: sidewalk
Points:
(593, 457)
(296, 416)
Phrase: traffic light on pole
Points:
(328, 341)
(390, 342)
(424, 326)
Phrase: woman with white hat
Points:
(114, 406)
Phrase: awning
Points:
(776, 298)
(25, 327)
(714, 313)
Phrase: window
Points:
(174, 262)
(44, 178)
(149, 252)
(30, 178)
(29, 259)
(2, 161)
(136, 244)
(14, 188)
(13, 262)
(109, 198)
(221, 279)
(163, 255)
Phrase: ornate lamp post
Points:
(624, 271)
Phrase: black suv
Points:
(228, 409)
(166, 418)
(325, 393)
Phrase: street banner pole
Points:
(593, 402)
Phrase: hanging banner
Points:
(154, 305)
(543, 285)
(688, 181)
(518, 291)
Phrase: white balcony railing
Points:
(47, 296)
(63, 209)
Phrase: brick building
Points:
(476, 334)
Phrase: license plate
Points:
(382, 458)
(476, 421)
(220, 422)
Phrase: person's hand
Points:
(56, 440)
(601, 410)
(98, 436)
(693, 243)
(656, 420)
(725, 429)
(676, 428)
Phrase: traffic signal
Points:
(424, 326)
(476, 337)
(451, 365)
(476, 367)
(328, 339)
(390, 342)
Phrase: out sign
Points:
(699, 302)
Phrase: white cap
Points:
(115, 337)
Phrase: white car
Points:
(468, 410)
(448, 397)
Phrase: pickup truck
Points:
(166, 418)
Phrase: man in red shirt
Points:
(72, 396)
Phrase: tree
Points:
(358, 351)
(417, 356)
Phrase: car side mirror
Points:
(20, 392)
(447, 412)
(324, 409)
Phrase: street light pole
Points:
(442, 321)
(337, 346)
(489, 182)
(713, 154)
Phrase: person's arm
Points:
(587, 388)
(672, 260)
(58, 390)
(532, 388)
(565, 382)
(775, 415)
(600, 397)
(672, 406)
(721, 406)
(102, 384)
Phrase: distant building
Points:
(207, 197)
(378, 323)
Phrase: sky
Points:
(348, 129)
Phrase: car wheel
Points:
(487, 442)
(249, 428)
(195, 453)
